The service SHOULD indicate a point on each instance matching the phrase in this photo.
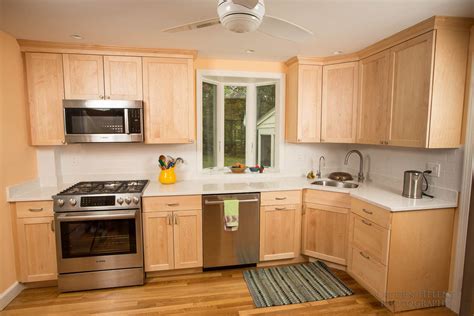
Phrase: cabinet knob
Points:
(63, 142)
(108, 97)
(101, 97)
(386, 142)
(381, 142)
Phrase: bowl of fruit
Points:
(238, 168)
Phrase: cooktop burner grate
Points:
(104, 187)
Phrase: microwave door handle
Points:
(126, 127)
(74, 218)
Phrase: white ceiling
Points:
(346, 25)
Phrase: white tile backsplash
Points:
(80, 162)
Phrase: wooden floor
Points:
(208, 293)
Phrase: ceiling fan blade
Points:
(193, 26)
(280, 28)
(249, 4)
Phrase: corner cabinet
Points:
(35, 241)
(339, 104)
(280, 225)
(44, 74)
(303, 103)
(168, 91)
(325, 225)
(402, 258)
(172, 230)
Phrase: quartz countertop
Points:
(381, 195)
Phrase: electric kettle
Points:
(413, 184)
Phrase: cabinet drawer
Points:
(371, 212)
(370, 237)
(280, 198)
(327, 198)
(34, 209)
(172, 203)
(369, 272)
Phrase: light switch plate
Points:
(435, 169)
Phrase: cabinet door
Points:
(83, 76)
(37, 249)
(158, 241)
(325, 232)
(44, 74)
(187, 239)
(373, 99)
(410, 83)
(168, 92)
(280, 232)
(339, 105)
(123, 78)
(309, 103)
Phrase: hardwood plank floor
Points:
(208, 293)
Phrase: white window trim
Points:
(273, 78)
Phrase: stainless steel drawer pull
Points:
(52, 225)
(367, 211)
(170, 220)
(206, 202)
(280, 208)
(364, 255)
(172, 204)
(280, 198)
(366, 222)
(39, 209)
(175, 219)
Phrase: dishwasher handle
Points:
(206, 202)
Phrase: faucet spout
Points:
(360, 175)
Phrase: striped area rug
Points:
(294, 284)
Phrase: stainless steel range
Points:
(99, 235)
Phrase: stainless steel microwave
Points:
(103, 121)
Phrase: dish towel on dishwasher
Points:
(231, 215)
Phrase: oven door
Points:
(99, 240)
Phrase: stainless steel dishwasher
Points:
(230, 248)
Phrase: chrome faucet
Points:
(318, 174)
(360, 175)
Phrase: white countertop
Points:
(382, 196)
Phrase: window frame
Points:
(251, 152)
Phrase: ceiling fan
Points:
(243, 16)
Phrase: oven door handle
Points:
(104, 216)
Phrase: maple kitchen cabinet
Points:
(339, 103)
(44, 74)
(172, 230)
(422, 104)
(168, 90)
(280, 225)
(303, 103)
(35, 241)
(325, 225)
(94, 77)
(373, 96)
(402, 258)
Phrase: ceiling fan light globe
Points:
(240, 19)
(240, 23)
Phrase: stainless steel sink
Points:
(336, 184)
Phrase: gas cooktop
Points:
(106, 187)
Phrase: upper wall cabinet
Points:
(168, 91)
(123, 78)
(102, 77)
(427, 82)
(303, 103)
(373, 111)
(45, 95)
(339, 106)
(84, 76)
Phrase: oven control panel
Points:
(95, 202)
(91, 201)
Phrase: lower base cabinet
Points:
(325, 225)
(35, 241)
(402, 258)
(172, 238)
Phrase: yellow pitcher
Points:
(167, 176)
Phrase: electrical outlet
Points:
(435, 169)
